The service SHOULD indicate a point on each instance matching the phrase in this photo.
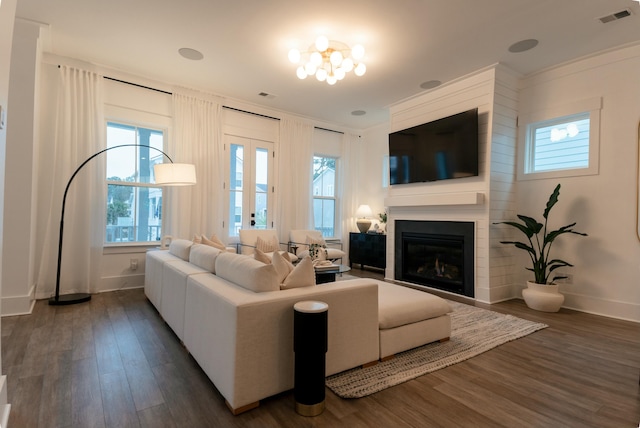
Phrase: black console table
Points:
(368, 249)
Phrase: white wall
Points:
(18, 274)
(7, 16)
(607, 263)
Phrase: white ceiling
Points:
(245, 43)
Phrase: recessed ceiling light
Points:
(430, 84)
(523, 45)
(358, 113)
(189, 53)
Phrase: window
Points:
(324, 196)
(560, 143)
(134, 206)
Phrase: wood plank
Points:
(120, 410)
(581, 371)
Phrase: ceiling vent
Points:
(615, 16)
(266, 95)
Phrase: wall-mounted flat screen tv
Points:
(444, 149)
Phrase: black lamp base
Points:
(70, 299)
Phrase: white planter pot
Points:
(543, 297)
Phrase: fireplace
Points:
(438, 254)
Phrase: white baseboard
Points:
(5, 408)
(121, 282)
(18, 305)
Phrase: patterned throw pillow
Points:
(318, 252)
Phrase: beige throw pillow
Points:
(267, 246)
(214, 242)
(197, 239)
(303, 275)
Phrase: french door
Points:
(250, 189)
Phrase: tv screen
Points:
(444, 149)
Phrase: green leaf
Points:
(532, 224)
(521, 227)
(552, 200)
(520, 245)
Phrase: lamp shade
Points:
(364, 211)
(175, 174)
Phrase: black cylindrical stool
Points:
(310, 346)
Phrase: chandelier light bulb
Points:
(322, 43)
(360, 70)
(339, 73)
(310, 68)
(331, 80)
(316, 58)
(294, 56)
(321, 74)
(357, 52)
(347, 65)
(336, 58)
(301, 73)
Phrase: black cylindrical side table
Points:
(310, 346)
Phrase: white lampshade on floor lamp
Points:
(362, 214)
(166, 174)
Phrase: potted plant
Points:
(542, 294)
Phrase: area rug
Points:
(473, 331)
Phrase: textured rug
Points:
(473, 331)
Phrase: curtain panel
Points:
(197, 139)
(79, 133)
(294, 204)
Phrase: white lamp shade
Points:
(175, 174)
(364, 211)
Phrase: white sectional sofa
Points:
(243, 339)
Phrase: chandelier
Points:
(328, 60)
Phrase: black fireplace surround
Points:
(438, 254)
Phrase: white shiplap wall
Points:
(493, 92)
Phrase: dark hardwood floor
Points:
(114, 362)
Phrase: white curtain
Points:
(295, 204)
(197, 139)
(348, 182)
(79, 134)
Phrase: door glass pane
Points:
(262, 188)
(235, 188)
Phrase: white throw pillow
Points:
(261, 257)
(303, 275)
(247, 272)
(282, 265)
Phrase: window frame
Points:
(139, 119)
(529, 122)
(334, 198)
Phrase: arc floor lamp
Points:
(166, 174)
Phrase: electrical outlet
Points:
(133, 264)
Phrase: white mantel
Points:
(434, 199)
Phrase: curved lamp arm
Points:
(173, 175)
